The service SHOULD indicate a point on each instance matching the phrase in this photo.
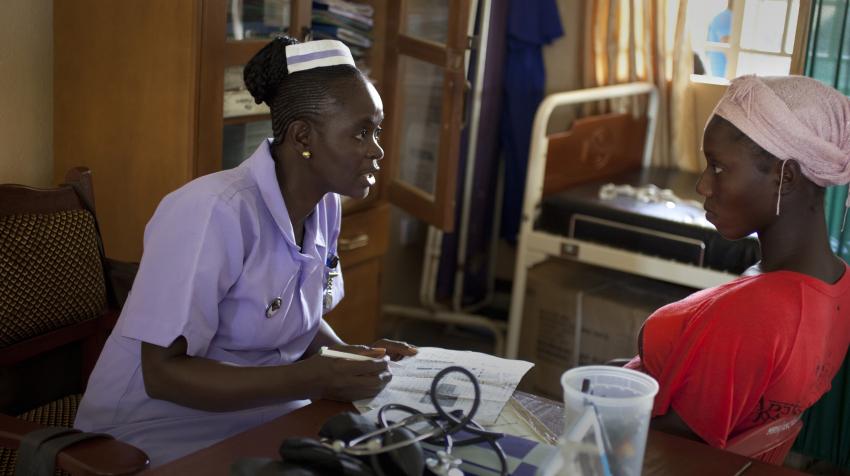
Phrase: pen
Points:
(744, 468)
(325, 352)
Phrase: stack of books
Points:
(346, 21)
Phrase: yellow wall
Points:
(26, 92)
(563, 61)
(706, 96)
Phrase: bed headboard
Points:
(594, 148)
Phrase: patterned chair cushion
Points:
(50, 273)
(56, 413)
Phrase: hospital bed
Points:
(592, 196)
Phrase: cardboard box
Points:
(608, 306)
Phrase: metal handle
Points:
(348, 244)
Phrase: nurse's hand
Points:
(348, 380)
(396, 349)
(365, 350)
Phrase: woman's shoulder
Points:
(745, 304)
(221, 197)
(224, 191)
(767, 290)
(224, 186)
(750, 295)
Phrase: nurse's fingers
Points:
(361, 350)
(361, 367)
(396, 349)
(368, 386)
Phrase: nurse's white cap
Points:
(317, 54)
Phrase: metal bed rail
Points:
(534, 246)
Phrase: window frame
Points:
(733, 49)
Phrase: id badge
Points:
(333, 271)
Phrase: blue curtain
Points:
(826, 430)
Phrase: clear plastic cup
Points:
(621, 400)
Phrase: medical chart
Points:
(412, 377)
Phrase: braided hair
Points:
(303, 95)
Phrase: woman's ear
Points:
(298, 134)
(790, 175)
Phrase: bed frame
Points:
(535, 246)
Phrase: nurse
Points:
(221, 330)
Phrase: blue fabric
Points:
(720, 26)
(531, 24)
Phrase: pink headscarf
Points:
(794, 117)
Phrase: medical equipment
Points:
(436, 428)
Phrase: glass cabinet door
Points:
(247, 19)
(425, 86)
(240, 140)
(230, 124)
(246, 123)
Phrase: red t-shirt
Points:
(748, 352)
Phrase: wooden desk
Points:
(665, 454)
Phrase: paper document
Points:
(412, 377)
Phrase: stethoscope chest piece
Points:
(273, 307)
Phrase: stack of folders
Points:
(346, 21)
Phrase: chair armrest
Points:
(20, 351)
(99, 456)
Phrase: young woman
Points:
(222, 327)
(768, 344)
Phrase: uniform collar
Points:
(261, 165)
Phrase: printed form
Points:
(412, 377)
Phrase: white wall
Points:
(26, 92)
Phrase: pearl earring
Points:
(306, 154)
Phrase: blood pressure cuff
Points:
(309, 457)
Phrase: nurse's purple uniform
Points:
(217, 252)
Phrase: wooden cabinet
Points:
(139, 97)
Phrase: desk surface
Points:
(665, 454)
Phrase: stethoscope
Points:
(442, 425)
(327, 298)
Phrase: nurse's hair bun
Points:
(266, 70)
(306, 95)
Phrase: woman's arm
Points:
(205, 384)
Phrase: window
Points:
(829, 55)
(735, 37)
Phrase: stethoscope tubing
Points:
(444, 424)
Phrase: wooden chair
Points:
(57, 305)
(769, 443)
